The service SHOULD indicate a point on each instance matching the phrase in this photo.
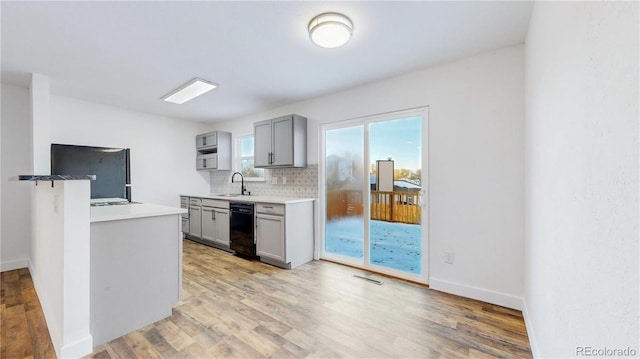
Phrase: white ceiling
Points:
(130, 54)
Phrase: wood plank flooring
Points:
(23, 332)
(235, 308)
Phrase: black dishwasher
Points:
(241, 225)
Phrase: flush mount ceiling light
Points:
(330, 30)
(189, 91)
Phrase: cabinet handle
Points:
(204, 140)
(204, 163)
(213, 213)
(267, 206)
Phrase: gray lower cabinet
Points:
(270, 237)
(222, 229)
(284, 233)
(215, 225)
(184, 203)
(195, 220)
(209, 222)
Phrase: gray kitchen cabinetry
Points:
(284, 233)
(213, 151)
(280, 142)
(270, 232)
(184, 203)
(195, 217)
(207, 140)
(215, 222)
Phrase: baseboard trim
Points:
(54, 333)
(14, 264)
(530, 330)
(78, 349)
(485, 295)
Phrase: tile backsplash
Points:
(301, 183)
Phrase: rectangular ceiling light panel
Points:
(188, 91)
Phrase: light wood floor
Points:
(234, 308)
(23, 332)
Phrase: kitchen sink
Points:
(227, 194)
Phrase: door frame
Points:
(424, 193)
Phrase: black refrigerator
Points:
(110, 165)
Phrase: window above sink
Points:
(244, 160)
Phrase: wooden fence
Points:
(344, 203)
(384, 206)
(396, 206)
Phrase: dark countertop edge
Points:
(53, 177)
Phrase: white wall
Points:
(59, 263)
(162, 149)
(15, 160)
(476, 150)
(40, 128)
(581, 272)
(162, 154)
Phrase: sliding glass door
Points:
(374, 192)
(344, 175)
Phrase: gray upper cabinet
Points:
(262, 143)
(206, 140)
(207, 162)
(280, 142)
(213, 151)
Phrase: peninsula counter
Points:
(136, 267)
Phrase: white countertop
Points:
(130, 211)
(252, 198)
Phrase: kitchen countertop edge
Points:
(252, 198)
(132, 211)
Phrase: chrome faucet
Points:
(242, 187)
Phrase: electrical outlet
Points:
(274, 180)
(449, 257)
(284, 180)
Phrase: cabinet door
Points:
(185, 225)
(222, 226)
(270, 237)
(206, 140)
(207, 162)
(208, 223)
(195, 221)
(262, 144)
(282, 141)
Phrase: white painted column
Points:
(40, 128)
(1, 265)
(60, 263)
(40, 124)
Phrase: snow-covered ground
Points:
(393, 245)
